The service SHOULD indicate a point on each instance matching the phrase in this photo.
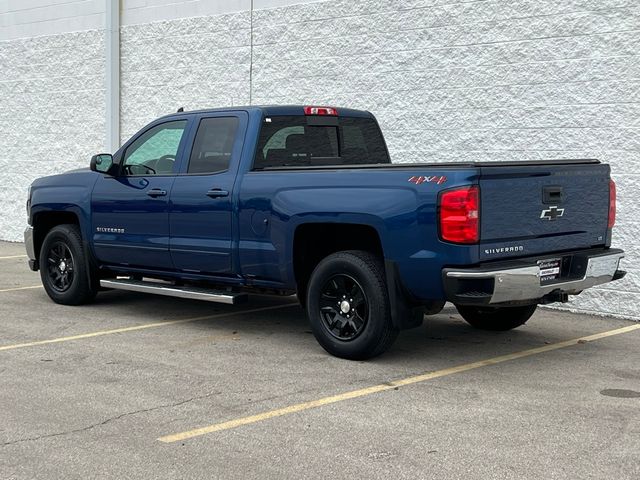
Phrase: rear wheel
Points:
(348, 305)
(496, 318)
(63, 267)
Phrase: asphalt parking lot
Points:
(138, 386)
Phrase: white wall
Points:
(193, 62)
(52, 113)
(31, 18)
(448, 80)
(146, 11)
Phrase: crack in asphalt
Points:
(108, 420)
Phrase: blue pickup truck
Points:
(217, 204)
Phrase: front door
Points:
(201, 199)
(130, 212)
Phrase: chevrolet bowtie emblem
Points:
(552, 213)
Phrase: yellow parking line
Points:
(20, 288)
(13, 256)
(216, 427)
(138, 327)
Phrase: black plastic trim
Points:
(405, 314)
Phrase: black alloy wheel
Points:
(68, 274)
(348, 305)
(60, 266)
(343, 307)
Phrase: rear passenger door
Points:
(200, 217)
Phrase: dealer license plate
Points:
(549, 269)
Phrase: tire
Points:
(496, 318)
(348, 306)
(63, 267)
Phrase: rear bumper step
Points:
(519, 281)
(218, 296)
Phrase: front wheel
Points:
(63, 267)
(496, 318)
(348, 305)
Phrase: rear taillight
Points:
(330, 111)
(612, 204)
(459, 215)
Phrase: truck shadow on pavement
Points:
(443, 337)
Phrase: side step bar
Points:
(219, 296)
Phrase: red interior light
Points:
(321, 111)
(459, 215)
(612, 204)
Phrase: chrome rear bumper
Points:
(519, 280)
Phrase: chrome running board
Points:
(169, 290)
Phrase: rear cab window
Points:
(308, 141)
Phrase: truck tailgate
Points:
(542, 208)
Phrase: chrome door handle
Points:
(217, 192)
(157, 192)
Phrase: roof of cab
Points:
(273, 110)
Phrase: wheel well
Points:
(314, 241)
(45, 221)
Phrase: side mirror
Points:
(101, 162)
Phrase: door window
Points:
(154, 152)
(213, 145)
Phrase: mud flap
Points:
(404, 314)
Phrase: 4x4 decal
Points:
(439, 179)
